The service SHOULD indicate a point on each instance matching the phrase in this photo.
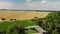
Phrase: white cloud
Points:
(41, 6)
(38, 5)
(28, 0)
(6, 5)
(43, 1)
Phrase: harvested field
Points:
(21, 15)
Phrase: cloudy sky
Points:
(30, 4)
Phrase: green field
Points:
(6, 26)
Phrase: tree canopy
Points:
(51, 23)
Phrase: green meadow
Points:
(7, 25)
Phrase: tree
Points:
(51, 23)
(16, 30)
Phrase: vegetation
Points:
(15, 27)
(51, 23)
(30, 31)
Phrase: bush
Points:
(51, 23)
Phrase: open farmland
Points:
(21, 15)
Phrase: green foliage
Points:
(30, 31)
(4, 26)
(55, 31)
(16, 30)
(51, 23)
(15, 26)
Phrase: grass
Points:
(5, 25)
(30, 31)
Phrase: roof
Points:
(38, 28)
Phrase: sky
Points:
(30, 4)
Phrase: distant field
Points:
(21, 15)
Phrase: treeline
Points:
(50, 23)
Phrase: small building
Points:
(38, 29)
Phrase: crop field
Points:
(21, 15)
(21, 19)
